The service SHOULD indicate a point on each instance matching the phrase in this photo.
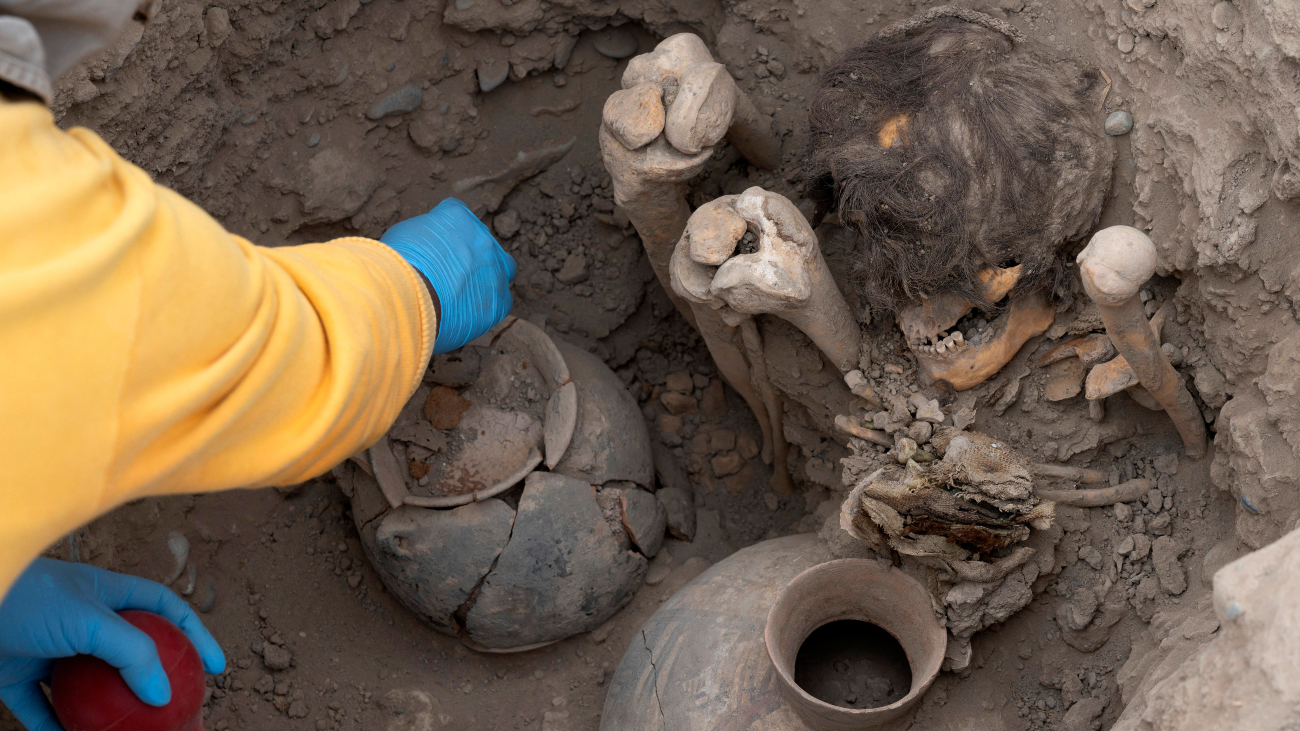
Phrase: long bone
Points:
(675, 95)
(1114, 265)
(786, 276)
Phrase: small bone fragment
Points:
(861, 387)
(1064, 380)
(1090, 349)
(986, 572)
(1099, 497)
(848, 426)
(636, 115)
(1115, 264)
(1066, 472)
(781, 483)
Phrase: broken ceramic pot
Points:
(439, 509)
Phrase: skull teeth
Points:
(946, 347)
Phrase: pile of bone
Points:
(969, 524)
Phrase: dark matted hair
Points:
(951, 144)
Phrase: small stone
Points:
(1162, 524)
(747, 447)
(1125, 546)
(1123, 513)
(670, 424)
(1119, 123)
(680, 512)
(776, 68)
(275, 657)
(728, 463)
(507, 224)
(492, 73)
(906, 449)
(722, 440)
(1125, 43)
(1166, 463)
(680, 381)
(297, 709)
(1141, 547)
(404, 100)
(1164, 554)
(679, 403)
(657, 573)
(574, 270)
(615, 43)
(920, 431)
(1224, 15)
(354, 580)
(1091, 556)
(715, 400)
(930, 412)
(314, 139)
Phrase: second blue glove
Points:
(468, 269)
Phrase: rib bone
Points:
(1116, 262)
(786, 276)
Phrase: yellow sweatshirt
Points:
(146, 351)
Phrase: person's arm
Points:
(145, 350)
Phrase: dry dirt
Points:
(257, 110)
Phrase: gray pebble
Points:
(616, 42)
(492, 73)
(1125, 42)
(404, 100)
(314, 139)
(1119, 123)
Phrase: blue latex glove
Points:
(468, 269)
(58, 609)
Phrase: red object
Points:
(90, 695)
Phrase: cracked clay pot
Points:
(701, 661)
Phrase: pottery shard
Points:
(562, 573)
(1164, 554)
(444, 407)
(635, 116)
(679, 512)
(644, 519)
(611, 440)
(432, 559)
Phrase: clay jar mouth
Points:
(865, 591)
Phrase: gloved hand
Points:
(58, 609)
(469, 271)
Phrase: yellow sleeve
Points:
(144, 350)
